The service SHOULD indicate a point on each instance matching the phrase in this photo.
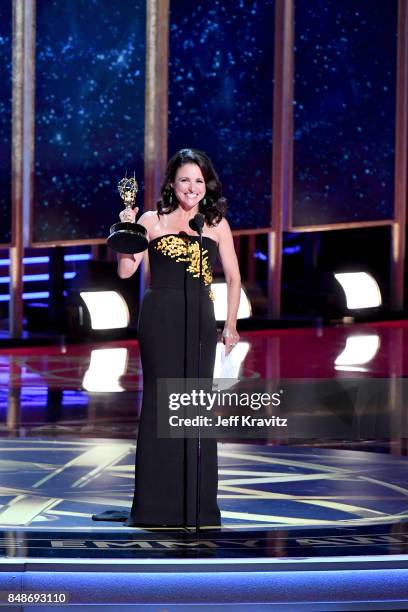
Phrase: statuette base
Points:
(127, 238)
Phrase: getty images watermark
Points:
(208, 401)
(187, 406)
(329, 409)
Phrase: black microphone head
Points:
(199, 220)
(197, 223)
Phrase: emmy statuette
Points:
(126, 237)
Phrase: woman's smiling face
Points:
(189, 185)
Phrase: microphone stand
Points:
(198, 477)
(197, 225)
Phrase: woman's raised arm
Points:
(129, 263)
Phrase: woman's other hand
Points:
(230, 338)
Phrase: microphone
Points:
(197, 223)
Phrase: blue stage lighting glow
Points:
(46, 259)
(72, 397)
(211, 586)
(34, 391)
(78, 257)
(37, 397)
(27, 296)
(37, 259)
(36, 277)
(292, 250)
(36, 294)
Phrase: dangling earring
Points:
(204, 201)
(171, 198)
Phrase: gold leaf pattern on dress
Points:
(185, 250)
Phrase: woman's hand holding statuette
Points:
(128, 215)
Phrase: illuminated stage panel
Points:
(220, 97)
(234, 587)
(345, 65)
(89, 114)
(5, 122)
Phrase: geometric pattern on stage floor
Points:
(49, 484)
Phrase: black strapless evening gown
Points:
(165, 469)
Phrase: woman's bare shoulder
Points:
(149, 214)
(222, 227)
(148, 218)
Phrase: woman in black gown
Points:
(165, 468)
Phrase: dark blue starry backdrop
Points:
(89, 114)
(345, 65)
(220, 96)
(5, 122)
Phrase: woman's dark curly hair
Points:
(213, 206)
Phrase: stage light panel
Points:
(105, 368)
(107, 309)
(361, 290)
(359, 350)
(220, 302)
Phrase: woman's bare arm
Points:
(129, 263)
(233, 279)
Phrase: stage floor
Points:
(314, 515)
(274, 501)
(58, 485)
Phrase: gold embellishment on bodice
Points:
(185, 250)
